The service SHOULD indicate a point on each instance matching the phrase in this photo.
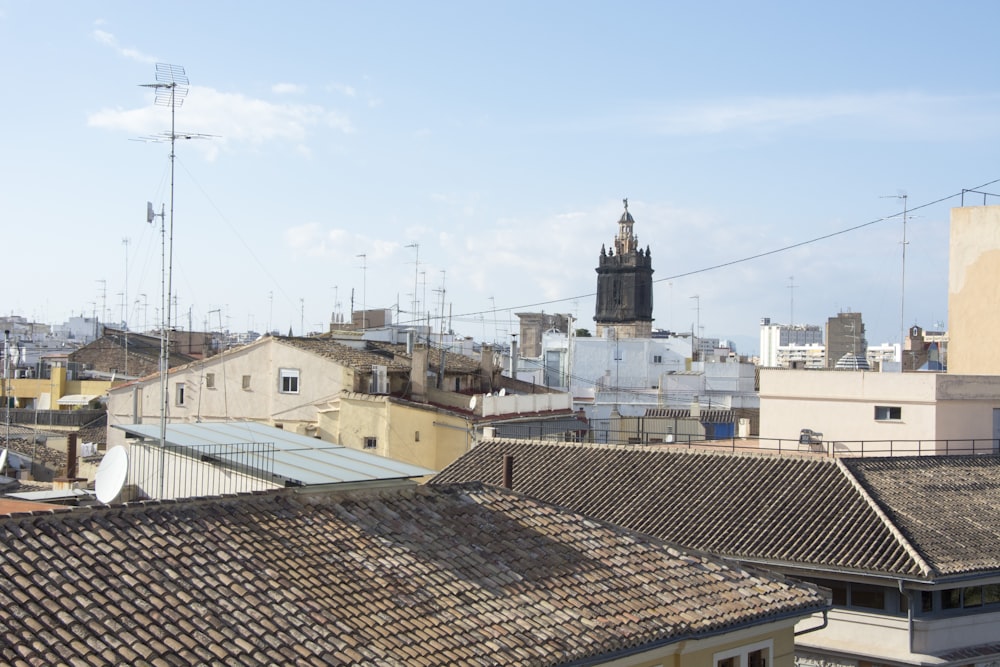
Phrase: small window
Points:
(288, 381)
(867, 597)
(416, 436)
(371, 443)
(210, 380)
(888, 413)
(926, 601)
(657, 359)
(179, 393)
(991, 594)
(246, 382)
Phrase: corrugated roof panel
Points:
(299, 458)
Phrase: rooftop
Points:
(925, 518)
(440, 575)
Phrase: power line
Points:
(743, 260)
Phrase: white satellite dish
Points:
(3, 460)
(472, 403)
(111, 474)
(503, 391)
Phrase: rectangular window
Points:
(972, 596)
(991, 594)
(246, 382)
(370, 443)
(888, 413)
(657, 359)
(926, 601)
(867, 597)
(179, 393)
(288, 381)
(210, 380)
(951, 598)
(753, 655)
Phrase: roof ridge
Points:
(886, 520)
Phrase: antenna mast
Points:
(171, 88)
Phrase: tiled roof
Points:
(392, 356)
(945, 505)
(926, 518)
(418, 576)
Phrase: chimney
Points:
(508, 471)
(418, 373)
(71, 453)
(486, 368)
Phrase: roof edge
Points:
(890, 526)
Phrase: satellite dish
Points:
(503, 391)
(111, 474)
(472, 403)
(3, 460)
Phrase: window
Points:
(416, 436)
(867, 597)
(753, 655)
(888, 413)
(210, 380)
(246, 382)
(371, 443)
(288, 381)
(657, 359)
(179, 393)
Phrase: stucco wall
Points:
(841, 405)
(973, 276)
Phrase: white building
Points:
(774, 336)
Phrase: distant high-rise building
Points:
(774, 336)
(625, 285)
(845, 334)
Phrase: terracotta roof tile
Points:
(422, 576)
(918, 516)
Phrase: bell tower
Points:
(625, 285)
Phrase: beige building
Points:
(870, 412)
(973, 276)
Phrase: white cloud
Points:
(107, 39)
(885, 111)
(231, 117)
(343, 89)
(287, 89)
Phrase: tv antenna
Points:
(171, 88)
(902, 279)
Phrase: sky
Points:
(471, 158)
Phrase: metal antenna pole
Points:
(902, 280)
(416, 270)
(364, 291)
(171, 88)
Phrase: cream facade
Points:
(267, 381)
(925, 413)
(973, 276)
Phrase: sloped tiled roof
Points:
(924, 518)
(420, 576)
(391, 355)
(946, 505)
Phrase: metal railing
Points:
(600, 431)
(178, 471)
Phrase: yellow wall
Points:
(973, 276)
(702, 653)
(29, 391)
(422, 436)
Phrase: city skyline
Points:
(398, 151)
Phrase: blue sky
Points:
(501, 138)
